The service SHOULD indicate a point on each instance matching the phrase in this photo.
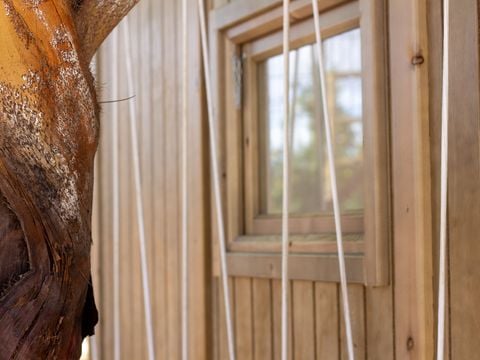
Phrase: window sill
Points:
(301, 267)
(313, 244)
(311, 257)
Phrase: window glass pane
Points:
(310, 191)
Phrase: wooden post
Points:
(48, 139)
(412, 241)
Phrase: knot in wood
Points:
(410, 343)
(417, 60)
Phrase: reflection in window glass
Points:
(309, 175)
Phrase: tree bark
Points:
(95, 19)
(48, 138)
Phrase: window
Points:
(310, 190)
(250, 123)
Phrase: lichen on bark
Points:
(48, 139)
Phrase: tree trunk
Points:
(48, 139)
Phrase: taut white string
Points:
(115, 202)
(285, 195)
(139, 195)
(184, 182)
(216, 179)
(333, 180)
(443, 183)
(293, 105)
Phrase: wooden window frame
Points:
(301, 33)
(252, 251)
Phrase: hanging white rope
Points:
(184, 181)
(293, 105)
(285, 184)
(115, 201)
(216, 180)
(333, 180)
(139, 195)
(443, 183)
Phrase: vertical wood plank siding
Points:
(316, 324)
(384, 318)
(155, 28)
(463, 294)
(464, 173)
(412, 243)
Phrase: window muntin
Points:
(310, 184)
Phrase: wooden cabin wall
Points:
(464, 172)
(155, 28)
(392, 322)
(463, 325)
(316, 325)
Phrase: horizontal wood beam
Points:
(301, 267)
(239, 11)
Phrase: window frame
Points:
(255, 28)
(302, 33)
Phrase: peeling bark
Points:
(48, 139)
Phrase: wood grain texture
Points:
(408, 308)
(464, 175)
(95, 19)
(327, 326)
(379, 323)
(435, 37)
(49, 133)
(304, 344)
(158, 190)
(157, 93)
(200, 255)
(171, 83)
(244, 318)
(222, 325)
(373, 23)
(412, 247)
(356, 295)
(277, 320)
(316, 329)
(262, 319)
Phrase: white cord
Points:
(216, 179)
(443, 183)
(184, 182)
(115, 202)
(285, 195)
(139, 196)
(333, 180)
(293, 105)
